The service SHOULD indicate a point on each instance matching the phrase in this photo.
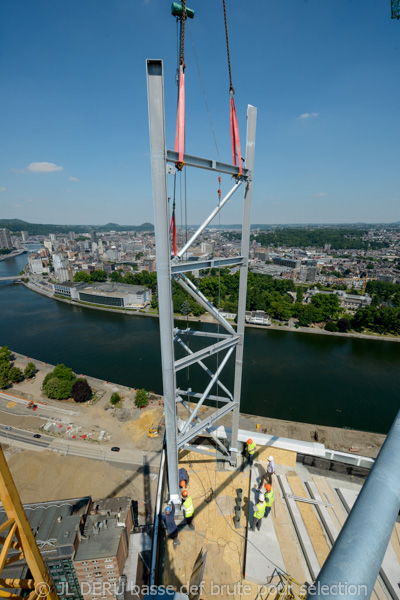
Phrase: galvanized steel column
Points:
(155, 93)
(351, 569)
(250, 148)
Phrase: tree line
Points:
(271, 295)
(339, 239)
(9, 372)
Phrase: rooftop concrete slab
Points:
(264, 559)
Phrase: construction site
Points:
(216, 528)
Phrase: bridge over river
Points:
(11, 278)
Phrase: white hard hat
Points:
(261, 497)
(270, 458)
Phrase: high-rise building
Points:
(5, 239)
(25, 236)
(71, 236)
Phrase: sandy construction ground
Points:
(41, 476)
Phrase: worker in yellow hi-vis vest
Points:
(188, 507)
(258, 514)
(269, 499)
(251, 450)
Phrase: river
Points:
(326, 380)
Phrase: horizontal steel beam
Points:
(186, 361)
(206, 163)
(197, 395)
(200, 333)
(194, 431)
(210, 263)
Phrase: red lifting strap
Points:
(235, 136)
(173, 226)
(180, 120)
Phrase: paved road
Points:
(41, 408)
(124, 459)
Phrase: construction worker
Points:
(258, 513)
(269, 498)
(266, 475)
(187, 503)
(270, 469)
(183, 478)
(169, 521)
(251, 449)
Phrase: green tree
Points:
(82, 276)
(15, 375)
(63, 372)
(186, 309)
(30, 370)
(115, 398)
(4, 380)
(141, 398)
(60, 373)
(116, 277)
(98, 275)
(328, 304)
(56, 388)
(299, 294)
(305, 314)
(5, 353)
(331, 326)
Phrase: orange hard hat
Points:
(268, 487)
(249, 442)
(184, 493)
(182, 483)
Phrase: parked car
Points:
(37, 435)
(115, 449)
(8, 428)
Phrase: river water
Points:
(326, 380)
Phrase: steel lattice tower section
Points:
(175, 268)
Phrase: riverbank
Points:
(13, 254)
(334, 438)
(208, 319)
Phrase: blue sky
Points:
(324, 76)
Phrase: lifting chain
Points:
(231, 88)
(183, 19)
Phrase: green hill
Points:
(17, 225)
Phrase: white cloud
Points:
(73, 179)
(43, 167)
(320, 194)
(308, 115)
(3, 189)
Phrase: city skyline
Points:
(75, 127)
